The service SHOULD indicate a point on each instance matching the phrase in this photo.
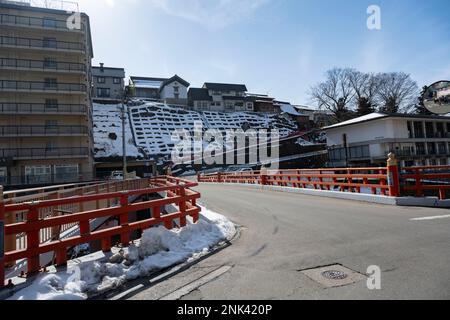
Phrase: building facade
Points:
(220, 97)
(173, 91)
(416, 140)
(45, 97)
(108, 84)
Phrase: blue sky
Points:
(276, 47)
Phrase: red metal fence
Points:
(426, 181)
(371, 180)
(173, 191)
(389, 180)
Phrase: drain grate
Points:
(335, 275)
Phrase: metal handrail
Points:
(41, 65)
(42, 130)
(42, 44)
(32, 153)
(41, 108)
(52, 24)
(44, 86)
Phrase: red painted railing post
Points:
(182, 206)
(124, 217)
(219, 177)
(393, 176)
(264, 178)
(2, 239)
(33, 241)
(199, 177)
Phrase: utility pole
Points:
(124, 143)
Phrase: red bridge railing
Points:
(426, 181)
(173, 191)
(389, 180)
(368, 180)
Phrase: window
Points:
(51, 83)
(418, 130)
(176, 89)
(3, 175)
(420, 147)
(66, 173)
(49, 23)
(50, 146)
(249, 106)
(101, 80)
(177, 96)
(103, 92)
(38, 174)
(51, 103)
(50, 63)
(49, 43)
(117, 80)
(51, 124)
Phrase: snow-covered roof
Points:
(365, 118)
(289, 109)
(377, 115)
(148, 84)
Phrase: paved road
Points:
(283, 234)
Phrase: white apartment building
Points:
(416, 140)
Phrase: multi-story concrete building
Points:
(108, 84)
(45, 95)
(415, 139)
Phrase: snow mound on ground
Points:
(158, 249)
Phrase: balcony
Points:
(40, 154)
(43, 66)
(37, 23)
(42, 131)
(37, 108)
(43, 87)
(42, 44)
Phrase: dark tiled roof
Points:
(225, 87)
(199, 94)
(173, 79)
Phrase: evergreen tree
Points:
(391, 106)
(364, 107)
(420, 106)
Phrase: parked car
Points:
(116, 175)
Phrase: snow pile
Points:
(108, 132)
(158, 249)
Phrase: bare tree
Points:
(335, 94)
(366, 87)
(397, 92)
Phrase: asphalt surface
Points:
(283, 234)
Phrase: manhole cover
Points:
(334, 275)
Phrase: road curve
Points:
(283, 234)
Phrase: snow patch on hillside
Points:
(108, 132)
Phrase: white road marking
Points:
(184, 291)
(431, 218)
